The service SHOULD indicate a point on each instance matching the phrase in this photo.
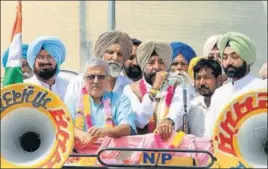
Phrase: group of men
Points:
(125, 88)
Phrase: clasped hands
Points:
(164, 129)
(83, 138)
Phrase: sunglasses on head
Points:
(92, 77)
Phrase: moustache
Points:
(45, 64)
(203, 87)
(152, 75)
(96, 86)
(231, 67)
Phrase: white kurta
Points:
(226, 93)
(145, 109)
(198, 114)
(59, 88)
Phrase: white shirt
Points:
(145, 109)
(226, 93)
(59, 87)
(197, 116)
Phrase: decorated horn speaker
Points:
(36, 128)
(240, 135)
(67, 74)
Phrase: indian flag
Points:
(13, 72)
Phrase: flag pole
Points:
(111, 15)
(13, 72)
(17, 27)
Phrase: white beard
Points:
(115, 68)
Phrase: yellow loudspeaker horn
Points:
(36, 128)
(240, 135)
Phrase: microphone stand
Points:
(180, 80)
(185, 115)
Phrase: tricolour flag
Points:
(13, 72)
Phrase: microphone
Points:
(179, 78)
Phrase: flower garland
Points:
(168, 100)
(84, 108)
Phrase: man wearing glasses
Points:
(98, 112)
(44, 56)
(114, 47)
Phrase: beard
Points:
(205, 91)
(236, 72)
(115, 68)
(133, 72)
(45, 73)
(150, 77)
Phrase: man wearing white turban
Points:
(45, 55)
(211, 50)
(238, 54)
(154, 58)
(211, 47)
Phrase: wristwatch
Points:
(153, 91)
(152, 94)
(152, 98)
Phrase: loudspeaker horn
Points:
(36, 128)
(240, 134)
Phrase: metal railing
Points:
(155, 165)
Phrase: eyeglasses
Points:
(43, 57)
(92, 77)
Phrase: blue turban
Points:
(52, 45)
(184, 49)
(23, 52)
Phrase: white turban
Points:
(210, 43)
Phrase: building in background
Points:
(79, 24)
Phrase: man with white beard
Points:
(115, 47)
